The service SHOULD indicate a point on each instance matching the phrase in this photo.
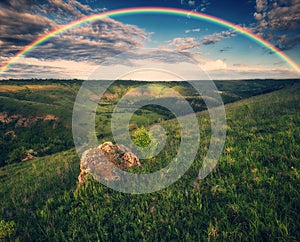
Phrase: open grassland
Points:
(17, 88)
(252, 194)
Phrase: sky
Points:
(149, 46)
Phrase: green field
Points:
(252, 194)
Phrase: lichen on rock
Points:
(104, 160)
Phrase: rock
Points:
(130, 160)
(30, 155)
(103, 161)
(11, 134)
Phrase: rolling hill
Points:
(36, 115)
(253, 193)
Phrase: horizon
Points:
(129, 80)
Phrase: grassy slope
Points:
(42, 97)
(31, 101)
(39, 100)
(253, 193)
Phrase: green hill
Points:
(253, 194)
(35, 115)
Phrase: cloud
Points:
(187, 65)
(278, 21)
(225, 49)
(183, 44)
(217, 37)
(247, 72)
(17, 29)
(284, 17)
(93, 42)
(153, 59)
(197, 5)
(23, 21)
(261, 5)
(211, 65)
(197, 30)
(191, 3)
(159, 56)
(258, 16)
(285, 41)
(37, 68)
(61, 9)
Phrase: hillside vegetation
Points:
(36, 115)
(253, 193)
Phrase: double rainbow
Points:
(151, 10)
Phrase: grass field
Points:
(18, 88)
(252, 194)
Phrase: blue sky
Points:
(124, 42)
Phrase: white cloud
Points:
(187, 43)
(247, 72)
(258, 16)
(211, 65)
(182, 44)
(197, 30)
(60, 68)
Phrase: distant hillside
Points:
(253, 194)
(36, 115)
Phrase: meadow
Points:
(252, 194)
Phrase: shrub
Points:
(17, 155)
(141, 137)
(146, 143)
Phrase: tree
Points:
(16, 155)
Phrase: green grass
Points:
(253, 193)
(25, 188)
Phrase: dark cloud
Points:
(278, 21)
(197, 5)
(23, 21)
(60, 8)
(93, 42)
(17, 29)
(225, 49)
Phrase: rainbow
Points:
(150, 10)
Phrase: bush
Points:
(141, 137)
(146, 142)
(16, 155)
